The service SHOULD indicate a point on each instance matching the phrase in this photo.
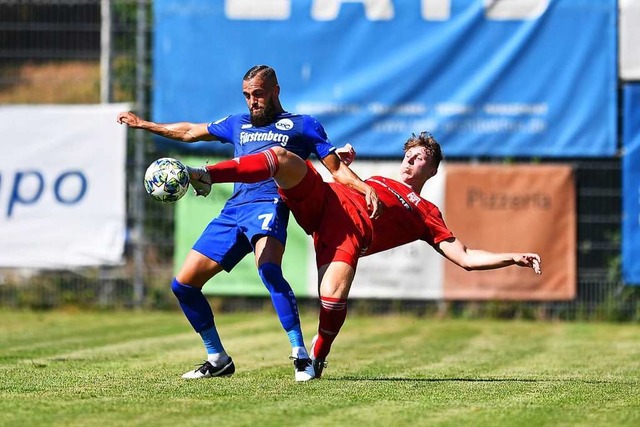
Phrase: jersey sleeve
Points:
(222, 129)
(315, 133)
(437, 229)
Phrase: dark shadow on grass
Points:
(479, 380)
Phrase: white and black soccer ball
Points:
(166, 180)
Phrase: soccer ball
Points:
(166, 180)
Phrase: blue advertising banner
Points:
(631, 185)
(510, 78)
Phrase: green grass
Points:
(123, 369)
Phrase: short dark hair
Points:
(426, 140)
(263, 71)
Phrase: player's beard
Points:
(265, 116)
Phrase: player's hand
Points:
(374, 205)
(200, 180)
(529, 260)
(347, 154)
(130, 119)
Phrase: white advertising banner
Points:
(629, 39)
(62, 186)
(412, 271)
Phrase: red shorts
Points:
(332, 215)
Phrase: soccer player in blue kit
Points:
(254, 219)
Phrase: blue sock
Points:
(194, 305)
(198, 312)
(211, 341)
(284, 301)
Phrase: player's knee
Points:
(270, 272)
(271, 275)
(280, 152)
(183, 292)
(284, 157)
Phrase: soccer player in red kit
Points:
(343, 230)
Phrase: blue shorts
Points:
(232, 234)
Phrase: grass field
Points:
(123, 369)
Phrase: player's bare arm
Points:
(180, 131)
(477, 259)
(342, 174)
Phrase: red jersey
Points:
(406, 217)
(337, 217)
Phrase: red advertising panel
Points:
(516, 208)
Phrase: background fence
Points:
(53, 52)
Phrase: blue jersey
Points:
(301, 134)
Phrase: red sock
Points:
(333, 313)
(250, 168)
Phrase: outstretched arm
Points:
(182, 131)
(342, 174)
(478, 259)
